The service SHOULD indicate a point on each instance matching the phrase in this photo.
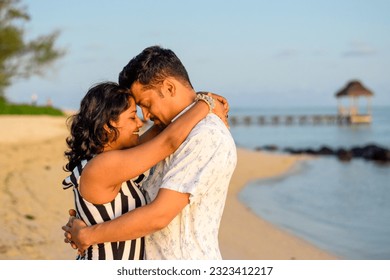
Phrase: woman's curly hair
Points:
(101, 106)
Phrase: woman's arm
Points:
(150, 133)
(114, 167)
(221, 110)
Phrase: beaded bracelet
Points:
(206, 98)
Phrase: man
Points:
(186, 192)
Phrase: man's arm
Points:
(134, 224)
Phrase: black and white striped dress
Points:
(128, 198)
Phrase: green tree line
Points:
(21, 58)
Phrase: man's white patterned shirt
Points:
(202, 166)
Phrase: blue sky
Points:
(255, 52)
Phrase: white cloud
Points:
(359, 48)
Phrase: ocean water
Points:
(309, 135)
(341, 207)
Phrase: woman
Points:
(103, 147)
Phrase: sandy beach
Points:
(34, 206)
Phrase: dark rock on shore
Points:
(377, 153)
(271, 148)
(344, 155)
(325, 150)
(369, 152)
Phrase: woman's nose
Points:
(140, 123)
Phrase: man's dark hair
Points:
(151, 67)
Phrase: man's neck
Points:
(183, 111)
(185, 100)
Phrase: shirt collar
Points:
(182, 112)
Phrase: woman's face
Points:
(128, 126)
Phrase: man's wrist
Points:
(86, 236)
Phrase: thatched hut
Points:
(353, 91)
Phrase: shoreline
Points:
(246, 236)
(35, 205)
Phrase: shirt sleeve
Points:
(191, 167)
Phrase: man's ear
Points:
(169, 87)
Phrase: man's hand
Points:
(68, 237)
(73, 232)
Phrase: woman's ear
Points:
(110, 132)
(108, 129)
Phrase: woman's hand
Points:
(221, 108)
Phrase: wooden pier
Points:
(346, 115)
(293, 120)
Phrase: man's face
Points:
(153, 104)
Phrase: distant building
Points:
(34, 99)
(353, 91)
